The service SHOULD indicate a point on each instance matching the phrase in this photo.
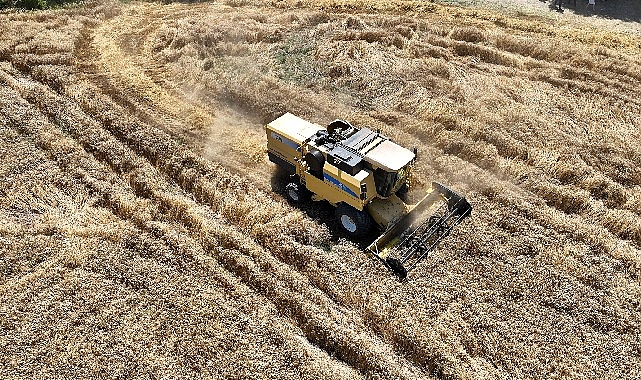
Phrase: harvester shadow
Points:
(624, 10)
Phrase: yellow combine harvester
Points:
(365, 175)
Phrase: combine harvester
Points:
(366, 177)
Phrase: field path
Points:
(221, 132)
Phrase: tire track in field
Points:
(420, 356)
(141, 87)
(582, 198)
(323, 336)
(106, 190)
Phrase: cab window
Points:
(385, 182)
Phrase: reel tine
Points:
(420, 238)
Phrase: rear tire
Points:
(297, 193)
(353, 222)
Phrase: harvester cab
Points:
(365, 176)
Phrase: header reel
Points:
(407, 242)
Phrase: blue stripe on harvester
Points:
(335, 182)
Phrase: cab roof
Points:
(390, 156)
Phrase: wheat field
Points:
(144, 234)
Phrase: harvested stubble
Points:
(119, 265)
(164, 258)
(348, 344)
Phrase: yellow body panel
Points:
(294, 128)
(287, 134)
(323, 190)
(333, 187)
(331, 169)
(281, 148)
(354, 182)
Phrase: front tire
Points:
(353, 222)
(297, 193)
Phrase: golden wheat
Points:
(141, 236)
